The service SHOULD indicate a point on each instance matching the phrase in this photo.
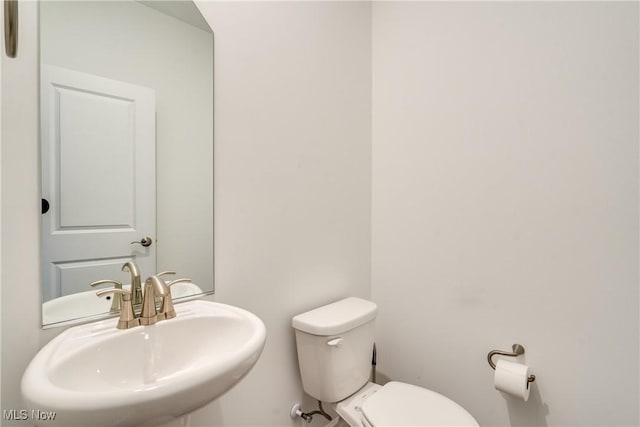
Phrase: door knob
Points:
(146, 241)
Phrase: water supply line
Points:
(296, 411)
(374, 361)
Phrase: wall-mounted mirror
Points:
(126, 148)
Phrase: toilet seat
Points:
(400, 404)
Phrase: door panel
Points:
(91, 128)
(90, 152)
(73, 277)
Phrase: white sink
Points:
(87, 304)
(97, 375)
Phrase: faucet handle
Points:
(116, 304)
(128, 318)
(167, 311)
(126, 294)
(183, 280)
(164, 273)
(117, 283)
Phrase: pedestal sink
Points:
(97, 375)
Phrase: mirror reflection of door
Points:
(98, 146)
(163, 45)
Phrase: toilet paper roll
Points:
(512, 378)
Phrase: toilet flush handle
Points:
(335, 342)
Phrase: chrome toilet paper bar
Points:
(517, 351)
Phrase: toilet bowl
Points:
(401, 404)
(334, 344)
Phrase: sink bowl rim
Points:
(39, 389)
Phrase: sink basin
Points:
(86, 304)
(97, 375)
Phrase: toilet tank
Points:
(335, 345)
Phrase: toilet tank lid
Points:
(337, 317)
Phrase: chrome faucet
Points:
(136, 286)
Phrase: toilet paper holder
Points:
(517, 351)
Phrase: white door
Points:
(98, 176)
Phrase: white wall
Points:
(505, 178)
(20, 215)
(505, 203)
(292, 186)
(1, 32)
(130, 42)
(292, 178)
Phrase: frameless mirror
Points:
(126, 149)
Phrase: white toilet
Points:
(335, 344)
